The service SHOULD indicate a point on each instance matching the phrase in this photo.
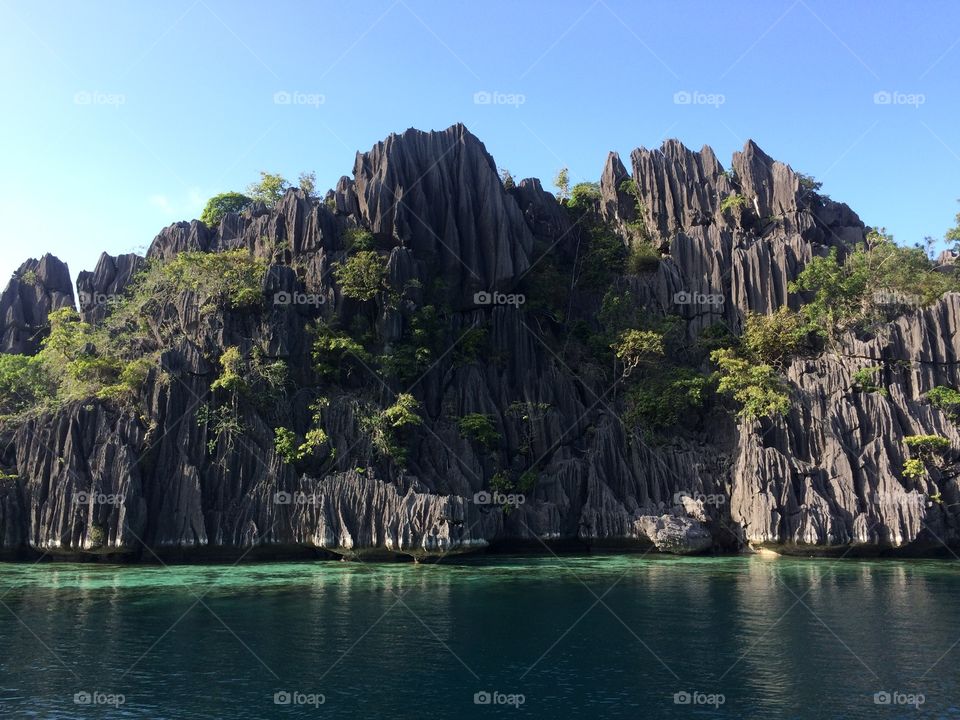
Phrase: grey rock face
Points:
(828, 476)
(37, 288)
(97, 289)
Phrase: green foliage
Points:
(357, 238)
(758, 388)
(285, 443)
(927, 445)
(664, 398)
(585, 196)
(270, 188)
(914, 469)
(642, 258)
(637, 348)
(332, 351)
(220, 205)
(479, 428)
(307, 182)
(865, 380)
(231, 378)
(927, 451)
(388, 428)
(732, 202)
(874, 283)
(637, 226)
(96, 535)
(776, 338)
(507, 178)
(953, 234)
(362, 275)
(808, 182)
(946, 399)
(316, 442)
(230, 279)
(29, 277)
(223, 426)
(507, 483)
(603, 257)
(24, 383)
(415, 352)
(562, 183)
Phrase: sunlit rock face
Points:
(101, 478)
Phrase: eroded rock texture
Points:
(826, 477)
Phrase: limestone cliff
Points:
(97, 477)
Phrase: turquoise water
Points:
(744, 637)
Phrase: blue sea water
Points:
(606, 636)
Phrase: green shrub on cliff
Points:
(874, 283)
(758, 388)
(480, 428)
(776, 338)
(220, 205)
(362, 276)
(388, 428)
(946, 399)
(24, 383)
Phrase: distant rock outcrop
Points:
(37, 288)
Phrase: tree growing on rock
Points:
(270, 188)
(220, 205)
(562, 183)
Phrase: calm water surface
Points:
(619, 636)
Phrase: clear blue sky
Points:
(122, 117)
